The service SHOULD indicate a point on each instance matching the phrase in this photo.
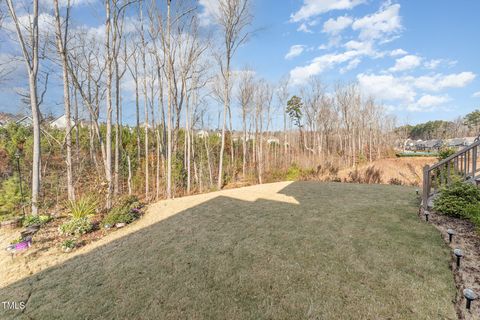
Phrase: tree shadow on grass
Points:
(345, 251)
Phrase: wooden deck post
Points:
(426, 186)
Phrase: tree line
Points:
(177, 72)
(467, 126)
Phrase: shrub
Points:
(293, 172)
(76, 226)
(444, 153)
(395, 181)
(69, 244)
(32, 220)
(125, 212)
(10, 196)
(82, 208)
(472, 212)
(456, 198)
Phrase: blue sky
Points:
(418, 58)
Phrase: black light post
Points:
(459, 254)
(427, 213)
(470, 296)
(451, 233)
(17, 156)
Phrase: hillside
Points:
(405, 171)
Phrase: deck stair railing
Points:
(462, 164)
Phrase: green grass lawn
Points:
(346, 251)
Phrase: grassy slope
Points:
(345, 252)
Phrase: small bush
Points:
(82, 208)
(456, 198)
(69, 244)
(125, 212)
(293, 172)
(472, 212)
(32, 220)
(444, 153)
(395, 181)
(10, 196)
(76, 226)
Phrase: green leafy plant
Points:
(472, 212)
(69, 244)
(444, 153)
(76, 226)
(456, 198)
(126, 211)
(32, 220)
(17, 240)
(82, 208)
(10, 196)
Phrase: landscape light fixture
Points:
(451, 233)
(427, 213)
(470, 296)
(459, 254)
(416, 190)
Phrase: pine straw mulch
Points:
(468, 275)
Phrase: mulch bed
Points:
(467, 239)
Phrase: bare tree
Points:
(245, 95)
(61, 40)
(233, 17)
(29, 44)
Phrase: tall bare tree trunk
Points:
(32, 64)
(108, 138)
(62, 51)
(169, 105)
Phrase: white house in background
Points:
(25, 121)
(202, 134)
(61, 122)
(273, 140)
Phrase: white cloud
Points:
(404, 89)
(312, 8)
(398, 52)
(433, 64)
(318, 65)
(365, 47)
(352, 64)
(385, 22)
(210, 11)
(406, 63)
(386, 87)
(428, 101)
(304, 28)
(295, 51)
(476, 94)
(439, 81)
(335, 26)
(63, 3)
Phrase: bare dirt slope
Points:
(405, 171)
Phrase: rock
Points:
(120, 224)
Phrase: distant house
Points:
(25, 121)
(456, 142)
(202, 134)
(6, 118)
(61, 122)
(428, 145)
(273, 140)
(460, 143)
